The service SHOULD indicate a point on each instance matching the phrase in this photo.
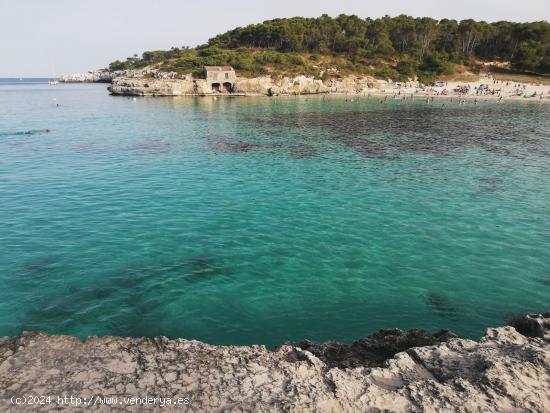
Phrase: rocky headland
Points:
(260, 86)
(152, 82)
(508, 370)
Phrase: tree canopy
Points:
(394, 46)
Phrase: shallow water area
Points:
(261, 220)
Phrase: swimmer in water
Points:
(46, 130)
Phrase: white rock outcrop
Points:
(93, 76)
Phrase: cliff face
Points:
(504, 372)
(263, 86)
(151, 87)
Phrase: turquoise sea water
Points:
(259, 220)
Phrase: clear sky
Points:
(53, 37)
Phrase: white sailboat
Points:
(53, 80)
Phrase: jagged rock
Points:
(531, 325)
(374, 350)
(504, 372)
(257, 85)
(201, 87)
(300, 85)
(93, 76)
(303, 85)
(152, 87)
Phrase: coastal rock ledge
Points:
(390, 371)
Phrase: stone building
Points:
(220, 78)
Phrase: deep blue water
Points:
(258, 220)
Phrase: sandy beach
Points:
(486, 88)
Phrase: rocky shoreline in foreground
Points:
(508, 370)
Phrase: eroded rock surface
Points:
(260, 86)
(152, 87)
(504, 372)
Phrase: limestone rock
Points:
(303, 85)
(251, 86)
(157, 85)
(504, 372)
(93, 76)
(151, 87)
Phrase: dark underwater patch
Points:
(40, 265)
(229, 146)
(150, 146)
(57, 315)
(189, 269)
(202, 264)
(383, 133)
(141, 315)
(303, 151)
(59, 312)
(490, 184)
(442, 305)
(491, 181)
(23, 133)
(35, 271)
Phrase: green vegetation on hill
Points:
(396, 47)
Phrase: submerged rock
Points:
(504, 372)
(303, 151)
(442, 305)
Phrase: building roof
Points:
(218, 68)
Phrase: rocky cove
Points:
(508, 370)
